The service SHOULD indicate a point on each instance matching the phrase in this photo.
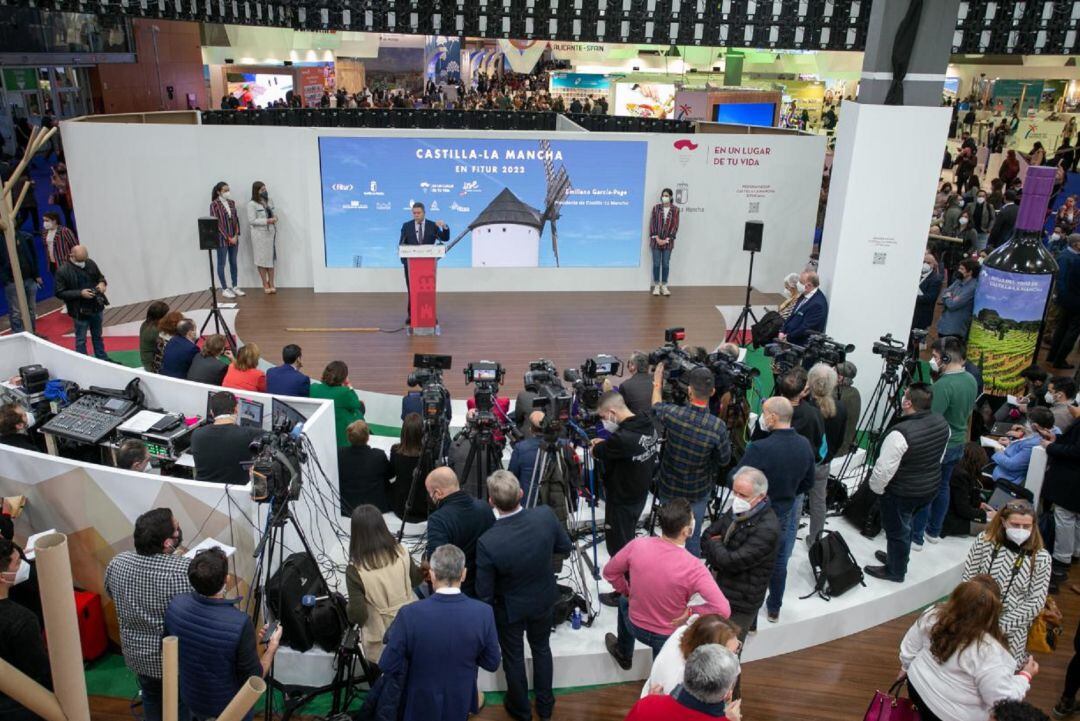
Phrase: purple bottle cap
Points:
(1038, 184)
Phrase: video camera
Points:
(279, 459)
(487, 375)
(892, 351)
(551, 395)
(588, 381)
(677, 364)
(541, 372)
(427, 375)
(820, 348)
(730, 374)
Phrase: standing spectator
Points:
(348, 407)
(364, 472)
(982, 218)
(20, 634)
(262, 222)
(1068, 216)
(1011, 552)
(1067, 299)
(1060, 488)
(821, 394)
(218, 639)
(1010, 167)
(380, 577)
(954, 394)
(708, 682)
(956, 659)
(810, 312)
(180, 350)
(663, 227)
(81, 285)
(662, 580)
(207, 367)
(434, 647)
(929, 289)
(637, 389)
(958, 300)
(523, 456)
(148, 334)
(29, 209)
(458, 520)
(61, 195)
(697, 447)
(941, 200)
(31, 279)
(950, 219)
(741, 547)
(142, 584)
(404, 455)
(850, 399)
(907, 476)
(58, 241)
(513, 574)
(669, 666)
(223, 208)
(244, 373)
(1004, 220)
(286, 379)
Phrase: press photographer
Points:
(81, 285)
(435, 439)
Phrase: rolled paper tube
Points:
(170, 692)
(29, 693)
(62, 625)
(244, 699)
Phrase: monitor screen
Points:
(745, 113)
(284, 415)
(250, 413)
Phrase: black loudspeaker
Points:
(751, 239)
(208, 234)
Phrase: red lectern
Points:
(422, 260)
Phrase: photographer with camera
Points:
(81, 285)
(697, 446)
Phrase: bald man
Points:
(523, 458)
(81, 285)
(458, 519)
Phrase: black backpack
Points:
(303, 627)
(863, 512)
(835, 569)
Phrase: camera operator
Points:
(523, 405)
(458, 520)
(637, 389)
(697, 446)
(80, 284)
(523, 457)
(221, 449)
(848, 396)
(810, 312)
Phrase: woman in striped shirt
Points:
(223, 208)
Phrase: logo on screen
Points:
(425, 185)
(682, 194)
(434, 205)
(472, 186)
(382, 206)
(342, 187)
(460, 208)
(685, 144)
(373, 189)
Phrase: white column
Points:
(881, 196)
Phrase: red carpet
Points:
(57, 328)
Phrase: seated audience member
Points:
(207, 367)
(166, 330)
(14, 427)
(434, 648)
(524, 454)
(380, 577)
(132, 455)
(740, 547)
(142, 583)
(20, 634)
(663, 577)
(708, 682)
(1060, 393)
(668, 666)
(221, 448)
(364, 472)
(180, 350)
(149, 334)
(286, 379)
(967, 507)
(335, 387)
(404, 455)
(458, 519)
(1011, 463)
(1034, 388)
(956, 659)
(244, 374)
(220, 647)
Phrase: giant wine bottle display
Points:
(1014, 287)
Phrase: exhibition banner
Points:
(442, 59)
(522, 54)
(580, 81)
(645, 100)
(508, 203)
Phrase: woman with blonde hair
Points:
(1011, 552)
(669, 664)
(244, 373)
(821, 388)
(956, 658)
(791, 288)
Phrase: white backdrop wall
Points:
(138, 190)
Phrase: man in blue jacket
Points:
(810, 313)
(180, 351)
(458, 520)
(218, 651)
(1011, 463)
(286, 379)
(1068, 302)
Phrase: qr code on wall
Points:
(879, 258)
(754, 205)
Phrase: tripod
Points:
(742, 323)
(215, 311)
(881, 407)
(485, 456)
(431, 456)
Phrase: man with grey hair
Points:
(708, 681)
(434, 647)
(514, 575)
(740, 547)
(810, 313)
(637, 389)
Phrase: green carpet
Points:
(129, 358)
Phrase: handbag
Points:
(891, 706)
(1042, 636)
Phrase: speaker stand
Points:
(215, 312)
(746, 315)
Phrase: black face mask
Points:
(264, 195)
(178, 538)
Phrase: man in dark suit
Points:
(514, 574)
(810, 313)
(637, 389)
(286, 379)
(1004, 221)
(420, 231)
(458, 520)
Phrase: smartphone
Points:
(270, 630)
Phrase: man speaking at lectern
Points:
(420, 231)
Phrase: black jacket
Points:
(1061, 485)
(28, 262)
(919, 472)
(460, 520)
(363, 475)
(69, 283)
(741, 552)
(629, 458)
(637, 392)
(965, 497)
(1004, 224)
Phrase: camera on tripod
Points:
(677, 364)
(730, 374)
(487, 376)
(541, 372)
(891, 350)
(551, 395)
(821, 348)
(427, 375)
(588, 381)
(276, 471)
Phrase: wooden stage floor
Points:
(511, 328)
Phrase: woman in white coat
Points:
(263, 224)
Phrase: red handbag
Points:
(891, 706)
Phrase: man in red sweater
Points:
(704, 694)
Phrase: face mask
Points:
(1018, 536)
(1055, 236)
(178, 540)
(79, 263)
(1049, 397)
(963, 221)
(801, 287)
(934, 365)
(762, 424)
(926, 268)
(739, 505)
(17, 577)
(263, 194)
(226, 195)
(609, 426)
(665, 199)
(50, 225)
(980, 200)
(960, 203)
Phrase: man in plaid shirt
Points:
(696, 447)
(141, 584)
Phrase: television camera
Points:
(427, 376)
(487, 376)
(551, 395)
(588, 381)
(279, 458)
(730, 374)
(892, 351)
(819, 348)
(677, 364)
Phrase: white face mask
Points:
(1049, 397)
(609, 426)
(1018, 536)
(963, 221)
(50, 225)
(18, 576)
(761, 424)
(980, 200)
(79, 263)
(739, 505)
(226, 195)
(1055, 236)
(801, 287)
(934, 365)
(666, 200)
(926, 268)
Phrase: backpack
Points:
(863, 512)
(766, 329)
(835, 569)
(302, 627)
